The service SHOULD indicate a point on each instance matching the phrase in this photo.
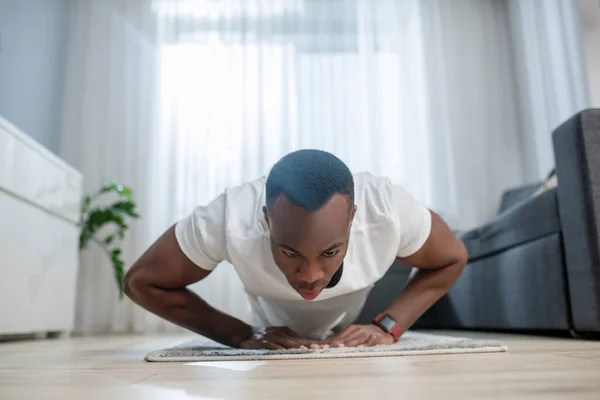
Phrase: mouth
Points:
(309, 295)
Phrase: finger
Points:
(272, 346)
(294, 342)
(373, 340)
(349, 331)
(293, 335)
(357, 340)
(287, 342)
(288, 331)
(332, 342)
(303, 342)
(342, 335)
(299, 342)
(345, 332)
(354, 336)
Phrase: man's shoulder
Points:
(364, 181)
(243, 208)
(251, 191)
(374, 198)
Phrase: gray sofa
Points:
(536, 265)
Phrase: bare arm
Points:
(158, 282)
(440, 262)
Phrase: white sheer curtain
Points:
(109, 133)
(248, 81)
(180, 99)
(551, 76)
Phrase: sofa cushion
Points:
(520, 288)
(528, 221)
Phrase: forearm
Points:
(421, 292)
(188, 310)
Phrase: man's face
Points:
(309, 247)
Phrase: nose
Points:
(310, 273)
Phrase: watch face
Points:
(387, 323)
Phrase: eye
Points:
(331, 253)
(289, 254)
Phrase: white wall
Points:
(590, 13)
(33, 36)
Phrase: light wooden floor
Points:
(112, 368)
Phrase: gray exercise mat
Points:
(411, 343)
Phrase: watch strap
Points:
(389, 325)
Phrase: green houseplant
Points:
(111, 207)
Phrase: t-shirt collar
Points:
(335, 279)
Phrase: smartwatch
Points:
(389, 325)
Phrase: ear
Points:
(266, 214)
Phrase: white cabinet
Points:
(39, 207)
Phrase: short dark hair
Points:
(309, 178)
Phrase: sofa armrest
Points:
(577, 152)
(514, 197)
(522, 223)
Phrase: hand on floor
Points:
(359, 335)
(277, 338)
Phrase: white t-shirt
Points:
(389, 223)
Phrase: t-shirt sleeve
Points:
(201, 235)
(414, 221)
